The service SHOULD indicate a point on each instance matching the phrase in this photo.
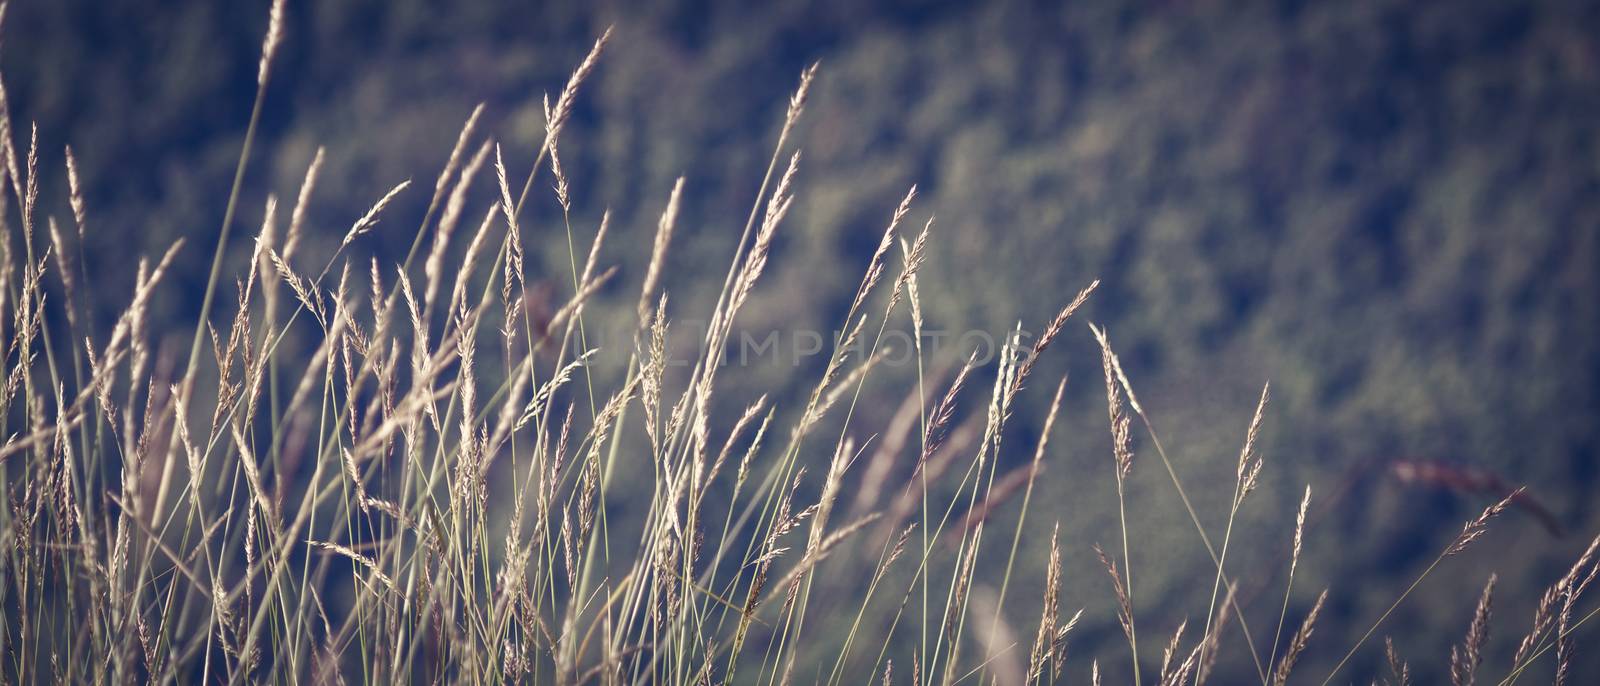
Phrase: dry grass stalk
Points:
(942, 413)
(1249, 470)
(557, 118)
(1297, 645)
(453, 162)
(514, 256)
(875, 265)
(658, 251)
(297, 219)
(1122, 455)
(1208, 648)
(370, 219)
(815, 554)
(1474, 529)
(1465, 658)
(1121, 437)
(1299, 529)
(959, 590)
(1294, 563)
(797, 101)
(1124, 608)
(1398, 669)
(7, 147)
(1546, 613)
(304, 289)
(75, 193)
(894, 553)
(69, 282)
(756, 408)
(744, 282)
(433, 268)
(480, 239)
(838, 391)
(913, 256)
(1168, 676)
(1245, 479)
(269, 47)
(1049, 334)
(1470, 532)
(363, 560)
(30, 192)
(1565, 643)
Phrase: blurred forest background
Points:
(1389, 209)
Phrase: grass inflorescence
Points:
(428, 492)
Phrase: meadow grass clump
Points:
(429, 491)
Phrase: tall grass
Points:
(426, 493)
